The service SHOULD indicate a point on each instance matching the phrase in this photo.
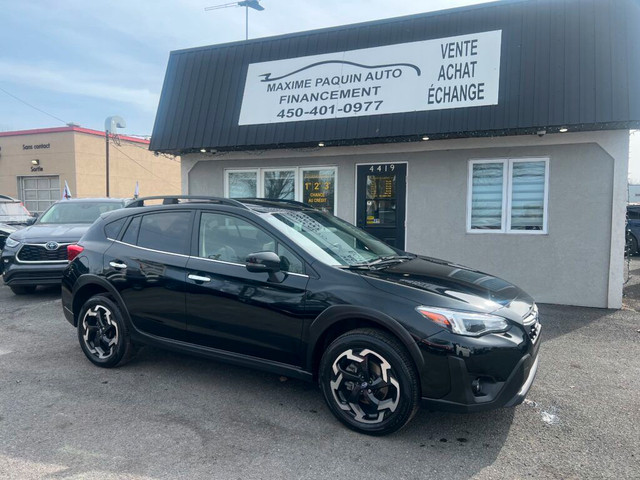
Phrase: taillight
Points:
(73, 251)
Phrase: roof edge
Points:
(88, 131)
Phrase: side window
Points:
(131, 235)
(231, 239)
(112, 230)
(288, 261)
(167, 232)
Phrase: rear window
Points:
(13, 211)
(112, 230)
(131, 235)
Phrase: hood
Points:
(51, 233)
(452, 286)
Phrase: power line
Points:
(143, 167)
(35, 108)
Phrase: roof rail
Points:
(176, 199)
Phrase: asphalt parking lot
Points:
(171, 416)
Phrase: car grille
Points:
(38, 253)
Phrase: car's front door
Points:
(231, 309)
(148, 267)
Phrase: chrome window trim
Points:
(41, 262)
(244, 266)
(200, 258)
(151, 249)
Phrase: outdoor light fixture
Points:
(425, 138)
(563, 130)
(35, 161)
(321, 144)
(110, 125)
(203, 150)
(251, 4)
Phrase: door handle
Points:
(118, 265)
(198, 278)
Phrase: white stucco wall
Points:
(578, 262)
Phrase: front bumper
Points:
(504, 375)
(14, 273)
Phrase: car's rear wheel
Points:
(23, 289)
(103, 334)
(369, 381)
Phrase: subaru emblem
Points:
(51, 246)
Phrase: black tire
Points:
(379, 405)
(23, 289)
(103, 333)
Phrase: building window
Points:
(313, 185)
(280, 184)
(508, 196)
(39, 193)
(242, 184)
(318, 187)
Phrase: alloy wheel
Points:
(100, 332)
(364, 385)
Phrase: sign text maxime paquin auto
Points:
(453, 72)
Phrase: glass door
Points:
(381, 201)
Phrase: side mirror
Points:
(264, 262)
(32, 220)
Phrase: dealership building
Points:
(35, 164)
(494, 136)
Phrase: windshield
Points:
(76, 212)
(329, 239)
(13, 212)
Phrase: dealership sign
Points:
(453, 72)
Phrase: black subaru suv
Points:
(283, 287)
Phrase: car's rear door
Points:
(231, 309)
(148, 267)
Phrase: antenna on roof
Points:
(255, 4)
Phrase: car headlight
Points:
(10, 242)
(464, 323)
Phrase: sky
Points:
(81, 61)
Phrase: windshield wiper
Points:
(390, 260)
(378, 262)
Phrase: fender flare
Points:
(90, 279)
(339, 313)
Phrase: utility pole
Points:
(110, 124)
(255, 4)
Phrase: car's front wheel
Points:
(103, 334)
(369, 381)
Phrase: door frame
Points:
(406, 194)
